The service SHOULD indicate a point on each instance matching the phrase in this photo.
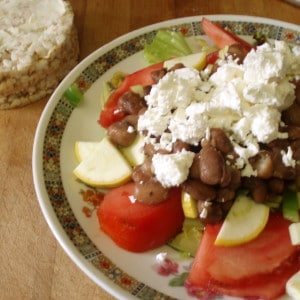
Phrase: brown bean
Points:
(179, 145)
(263, 164)
(131, 103)
(225, 194)
(238, 52)
(226, 177)
(297, 91)
(291, 116)
(258, 188)
(295, 146)
(176, 67)
(220, 140)
(147, 89)
(150, 150)
(195, 167)
(210, 212)
(280, 170)
(235, 181)
(212, 165)
(198, 190)
(143, 172)
(293, 132)
(226, 206)
(120, 134)
(150, 192)
(275, 186)
(158, 74)
(132, 120)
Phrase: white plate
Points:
(125, 275)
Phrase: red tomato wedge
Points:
(259, 268)
(139, 227)
(110, 112)
(222, 37)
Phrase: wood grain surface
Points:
(32, 264)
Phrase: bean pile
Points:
(214, 178)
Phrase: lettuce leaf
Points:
(166, 45)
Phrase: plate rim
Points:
(37, 158)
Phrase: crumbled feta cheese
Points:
(265, 64)
(287, 158)
(245, 100)
(130, 129)
(132, 198)
(172, 169)
(279, 94)
(264, 123)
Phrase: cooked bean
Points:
(158, 74)
(143, 172)
(226, 177)
(258, 188)
(260, 193)
(131, 103)
(147, 89)
(275, 185)
(150, 150)
(210, 212)
(176, 67)
(280, 170)
(212, 165)
(179, 145)
(295, 146)
(226, 206)
(150, 192)
(278, 143)
(238, 52)
(121, 133)
(235, 181)
(263, 164)
(195, 167)
(220, 140)
(291, 116)
(132, 120)
(293, 132)
(297, 91)
(199, 190)
(225, 194)
(298, 173)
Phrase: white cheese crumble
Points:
(132, 199)
(287, 158)
(172, 169)
(245, 100)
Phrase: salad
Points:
(219, 131)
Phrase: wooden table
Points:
(32, 263)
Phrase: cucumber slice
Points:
(187, 242)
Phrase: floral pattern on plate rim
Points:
(57, 124)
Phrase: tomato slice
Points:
(110, 112)
(222, 37)
(248, 270)
(139, 227)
